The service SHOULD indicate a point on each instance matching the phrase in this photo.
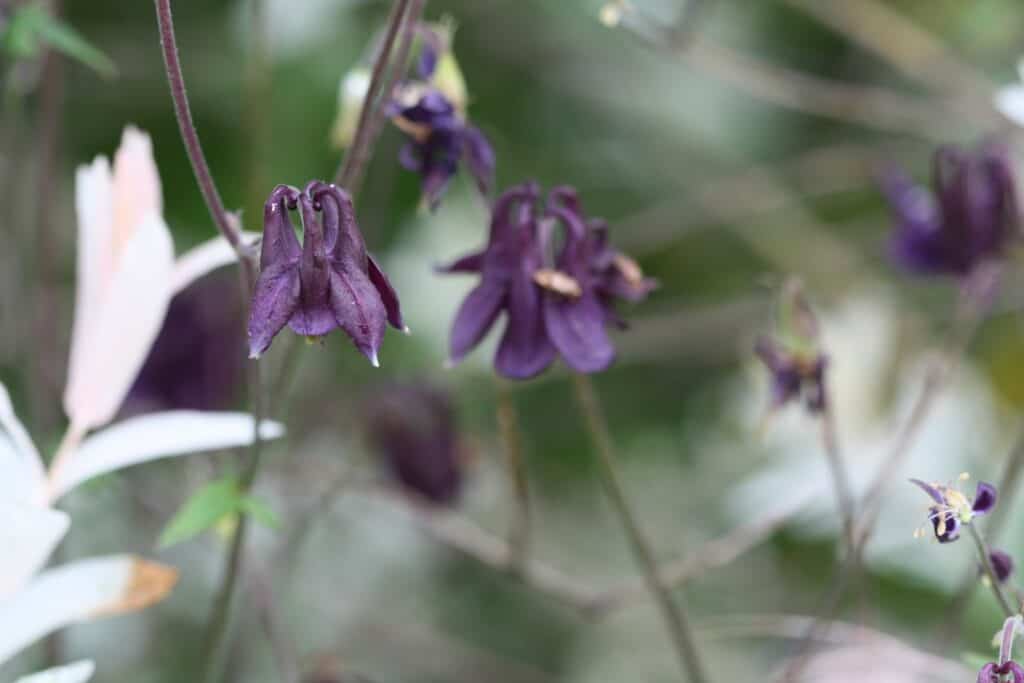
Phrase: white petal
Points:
(78, 592)
(28, 535)
(125, 328)
(94, 207)
(208, 256)
(159, 435)
(137, 191)
(21, 469)
(79, 672)
(1010, 101)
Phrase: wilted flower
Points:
(793, 356)
(196, 362)
(327, 282)
(555, 302)
(431, 112)
(414, 427)
(1002, 564)
(969, 216)
(953, 509)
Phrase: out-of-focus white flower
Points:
(1009, 100)
(126, 278)
(861, 342)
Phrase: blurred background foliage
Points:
(718, 166)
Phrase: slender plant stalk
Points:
(990, 572)
(672, 611)
(357, 155)
(183, 112)
(515, 467)
(840, 478)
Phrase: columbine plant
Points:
(558, 301)
(431, 111)
(969, 217)
(952, 509)
(327, 282)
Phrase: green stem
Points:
(519, 528)
(986, 563)
(672, 611)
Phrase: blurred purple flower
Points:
(439, 138)
(327, 282)
(557, 300)
(1002, 670)
(953, 509)
(413, 427)
(196, 362)
(968, 217)
(1002, 564)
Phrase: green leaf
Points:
(259, 511)
(31, 27)
(203, 510)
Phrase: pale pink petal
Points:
(22, 475)
(153, 436)
(208, 256)
(136, 188)
(28, 535)
(95, 264)
(126, 326)
(79, 672)
(77, 592)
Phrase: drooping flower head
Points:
(793, 355)
(430, 110)
(1002, 564)
(1005, 669)
(555, 276)
(952, 508)
(413, 426)
(327, 282)
(968, 217)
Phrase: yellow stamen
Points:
(630, 270)
(558, 282)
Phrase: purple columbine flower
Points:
(414, 427)
(1002, 564)
(327, 282)
(558, 300)
(969, 216)
(953, 509)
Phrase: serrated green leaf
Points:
(31, 27)
(202, 511)
(259, 511)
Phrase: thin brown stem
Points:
(674, 614)
(990, 572)
(357, 155)
(840, 479)
(183, 112)
(515, 469)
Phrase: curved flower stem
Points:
(840, 479)
(519, 528)
(183, 112)
(990, 571)
(355, 159)
(673, 612)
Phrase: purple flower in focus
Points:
(968, 217)
(413, 426)
(1002, 564)
(439, 139)
(558, 295)
(196, 362)
(327, 282)
(953, 509)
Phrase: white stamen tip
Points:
(406, 330)
(373, 360)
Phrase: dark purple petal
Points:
(576, 328)
(470, 263)
(432, 45)
(357, 307)
(935, 494)
(525, 350)
(988, 674)
(918, 243)
(945, 524)
(984, 498)
(1014, 669)
(479, 156)
(410, 157)
(274, 303)
(1002, 564)
(280, 245)
(474, 318)
(388, 295)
